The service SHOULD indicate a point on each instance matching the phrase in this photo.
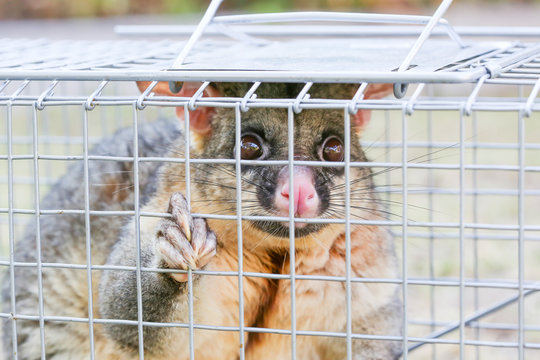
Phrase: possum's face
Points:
(316, 192)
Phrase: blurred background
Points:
(469, 12)
(10, 9)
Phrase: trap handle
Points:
(400, 89)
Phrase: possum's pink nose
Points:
(306, 200)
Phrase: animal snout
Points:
(305, 197)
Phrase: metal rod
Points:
(291, 219)
(472, 318)
(187, 151)
(331, 30)
(38, 234)
(475, 208)
(11, 235)
(349, 76)
(240, 243)
(400, 89)
(521, 236)
(207, 18)
(88, 238)
(324, 16)
(404, 228)
(136, 209)
(530, 102)
(461, 235)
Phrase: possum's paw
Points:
(183, 241)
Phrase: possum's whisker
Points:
(386, 202)
(109, 184)
(224, 201)
(455, 145)
(284, 262)
(319, 242)
(217, 184)
(212, 183)
(115, 172)
(426, 158)
(370, 145)
(123, 188)
(263, 240)
(361, 180)
(412, 161)
(379, 212)
(275, 232)
(259, 171)
(375, 211)
(367, 210)
(387, 151)
(332, 212)
(228, 171)
(233, 209)
(327, 178)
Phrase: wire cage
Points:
(453, 150)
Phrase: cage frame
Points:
(505, 71)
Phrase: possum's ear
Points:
(347, 91)
(373, 91)
(200, 118)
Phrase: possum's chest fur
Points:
(321, 305)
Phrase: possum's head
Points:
(318, 191)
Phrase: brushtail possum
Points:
(182, 241)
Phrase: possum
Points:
(183, 242)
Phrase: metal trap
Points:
(454, 151)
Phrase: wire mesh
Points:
(433, 223)
(455, 166)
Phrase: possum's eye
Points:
(251, 147)
(332, 149)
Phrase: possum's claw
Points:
(178, 207)
(184, 242)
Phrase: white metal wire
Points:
(347, 160)
(136, 209)
(521, 32)
(188, 198)
(38, 234)
(87, 232)
(292, 245)
(238, 172)
(404, 229)
(38, 82)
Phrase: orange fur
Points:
(320, 305)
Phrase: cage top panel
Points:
(335, 55)
(295, 60)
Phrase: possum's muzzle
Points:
(279, 229)
(303, 198)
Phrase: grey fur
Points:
(162, 296)
(63, 238)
